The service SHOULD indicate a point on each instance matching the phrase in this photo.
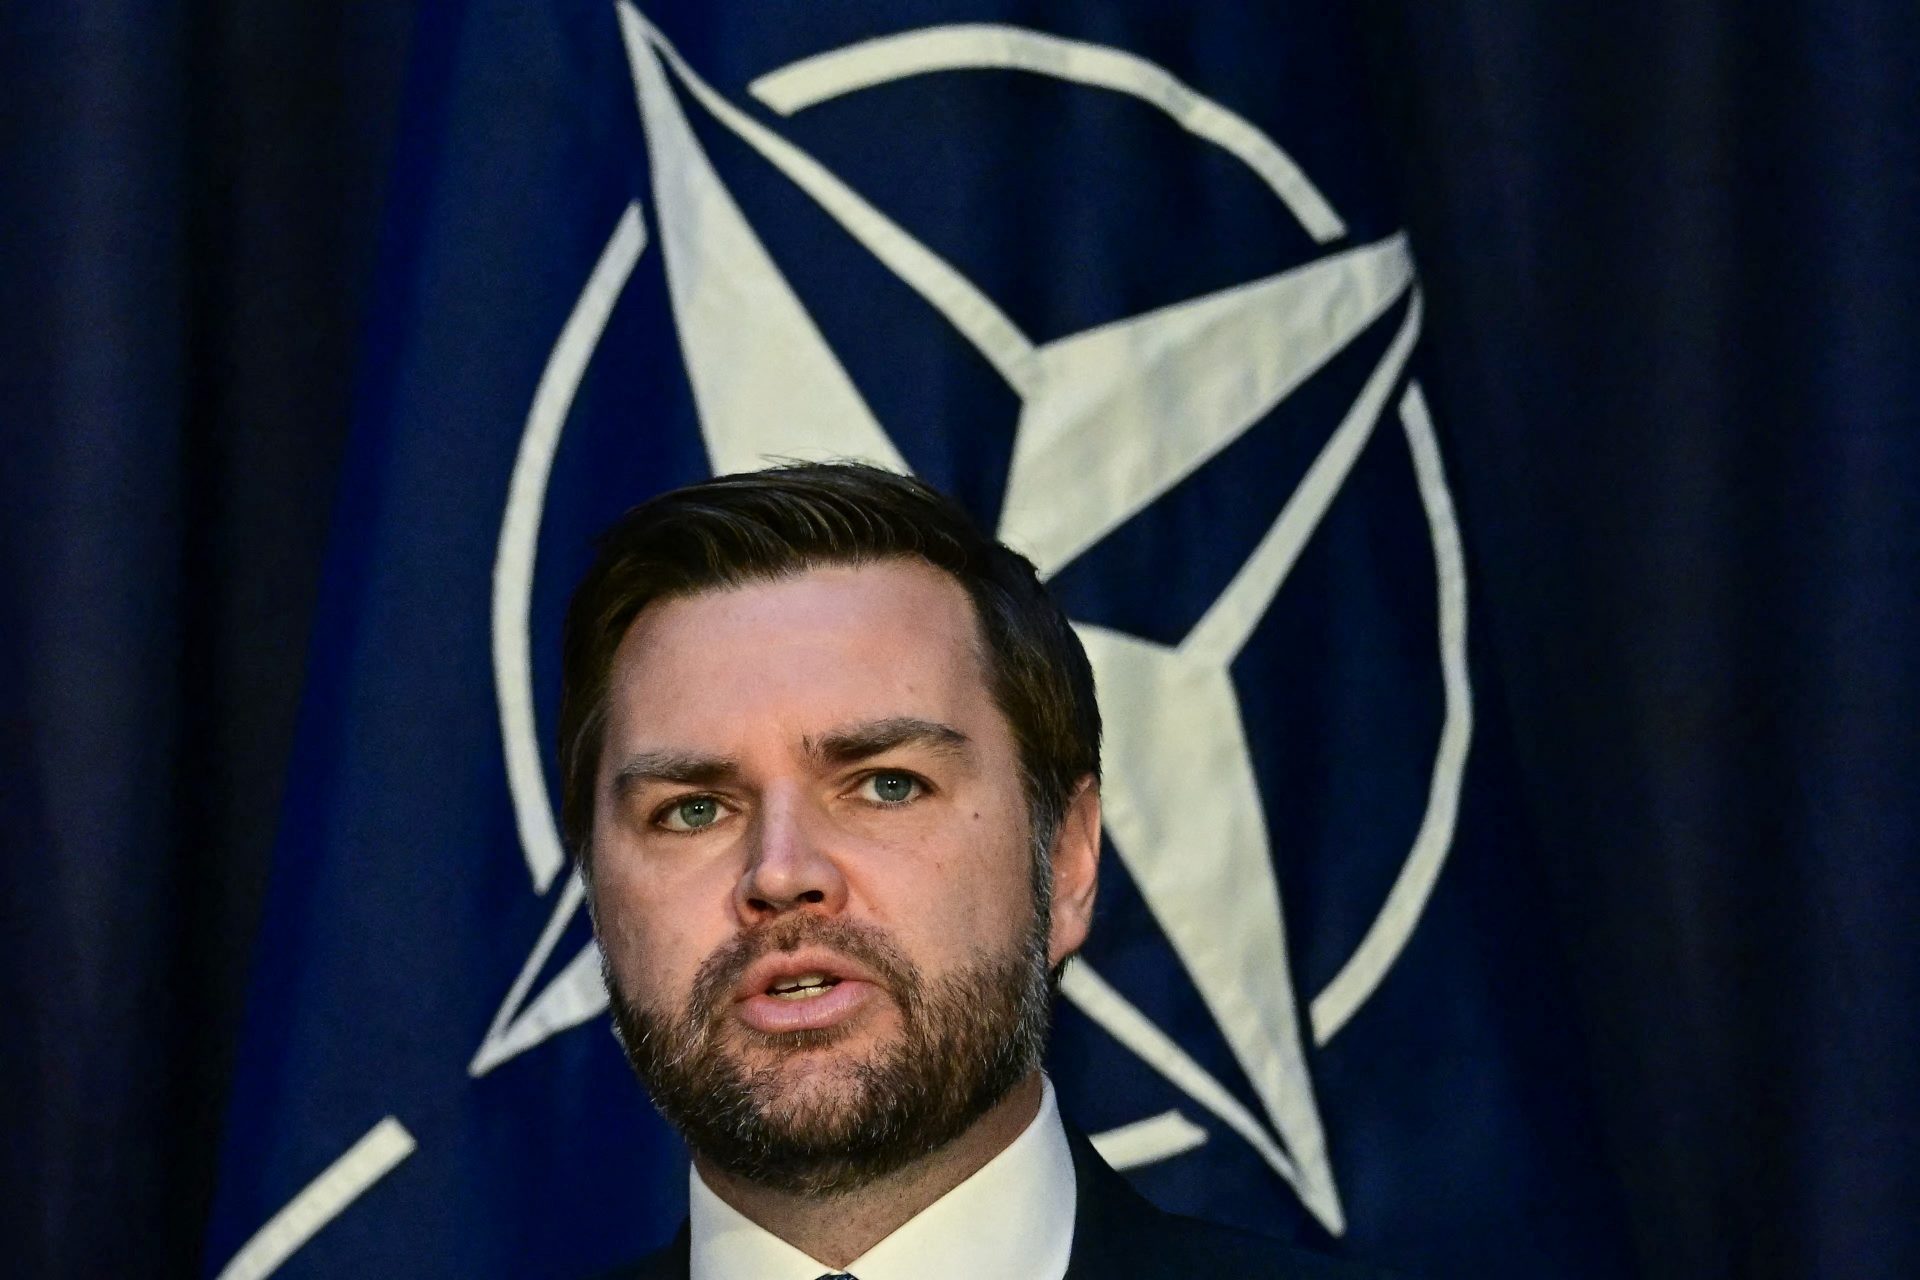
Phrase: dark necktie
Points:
(836, 1275)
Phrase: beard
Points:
(965, 1040)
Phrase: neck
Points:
(834, 1231)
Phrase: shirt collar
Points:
(1026, 1193)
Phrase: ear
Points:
(1076, 872)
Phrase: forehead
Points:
(826, 646)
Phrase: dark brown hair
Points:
(762, 525)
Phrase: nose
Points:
(790, 864)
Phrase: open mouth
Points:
(799, 992)
(806, 986)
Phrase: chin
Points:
(823, 1065)
(826, 1074)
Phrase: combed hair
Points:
(760, 526)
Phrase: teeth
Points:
(804, 987)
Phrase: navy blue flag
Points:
(1124, 280)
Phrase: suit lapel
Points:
(1116, 1230)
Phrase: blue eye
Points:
(691, 814)
(892, 788)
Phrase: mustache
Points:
(867, 946)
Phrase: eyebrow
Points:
(681, 768)
(863, 741)
(839, 747)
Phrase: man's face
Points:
(813, 874)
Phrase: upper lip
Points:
(763, 973)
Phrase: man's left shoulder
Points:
(1119, 1233)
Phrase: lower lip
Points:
(776, 1014)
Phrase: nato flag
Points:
(1123, 279)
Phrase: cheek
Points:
(979, 890)
(652, 948)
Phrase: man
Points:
(831, 765)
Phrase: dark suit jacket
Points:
(1118, 1235)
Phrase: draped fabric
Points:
(190, 207)
(1678, 248)
(1672, 285)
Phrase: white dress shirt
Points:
(1012, 1218)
